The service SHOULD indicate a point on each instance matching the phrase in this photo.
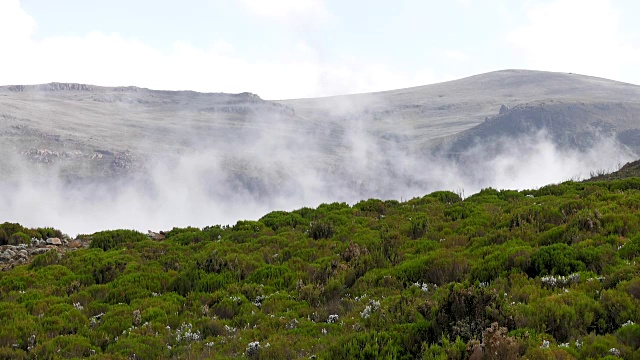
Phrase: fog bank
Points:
(224, 183)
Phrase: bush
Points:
(556, 259)
(107, 240)
(321, 230)
(446, 197)
(19, 238)
(279, 219)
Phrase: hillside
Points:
(552, 273)
(629, 170)
(571, 125)
(91, 131)
(88, 131)
(423, 114)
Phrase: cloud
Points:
(581, 36)
(16, 26)
(114, 60)
(296, 12)
(456, 55)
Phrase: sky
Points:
(283, 49)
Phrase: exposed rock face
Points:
(51, 87)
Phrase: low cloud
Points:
(247, 179)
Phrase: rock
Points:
(503, 109)
(136, 318)
(39, 251)
(156, 236)
(54, 241)
(74, 244)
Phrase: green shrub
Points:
(107, 240)
(556, 259)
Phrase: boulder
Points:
(54, 241)
(39, 251)
(156, 236)
(75, 244)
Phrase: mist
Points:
(255, 172)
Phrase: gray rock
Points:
(39, 251)
(54, 241)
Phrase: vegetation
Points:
(552, 273)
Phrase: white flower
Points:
(373, 306)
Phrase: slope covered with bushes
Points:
(548, 273)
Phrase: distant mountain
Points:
(92, 131)
(100, 131)
(530, 100)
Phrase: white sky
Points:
(301, 48)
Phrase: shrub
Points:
(107, 240)
(321, 230)
(446, 197)
(556, 259)
(279, 219)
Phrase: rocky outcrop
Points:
(158, 236)
(14, 255)
(55, 86)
